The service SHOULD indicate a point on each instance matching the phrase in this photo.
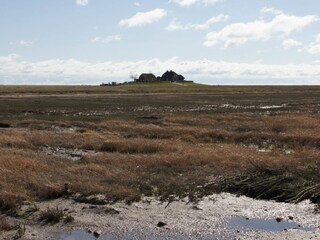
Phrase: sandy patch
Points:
(208, 219)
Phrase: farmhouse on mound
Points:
(146, 77)
(171, 76)
(168, 76)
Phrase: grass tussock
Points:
(285, 183)
(51, 215)
(5, 225)
(135, 146)
(10, 201)
(54, 215)
(49, 192)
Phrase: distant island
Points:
(168, 76)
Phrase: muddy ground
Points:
(219, 216)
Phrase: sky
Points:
(222, 42)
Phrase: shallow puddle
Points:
(270, 225)
(238, 223)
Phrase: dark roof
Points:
(171, 76)
(146, 77)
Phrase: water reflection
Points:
(271, 225)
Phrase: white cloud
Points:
(271, 10)
(176, 26)
(75, 71)
(144, 18)
(82, 2)
(137, 4)
(314, 47)
(9, 58)
(95, 39)
(239, 33)
(290, 43)
(187, 3)
(211, 2)
(108, 39)
(22, 43)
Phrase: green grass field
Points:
(166, 87)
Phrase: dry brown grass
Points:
(176, 155)
(137, 146)
(5, 225)
(53, 216)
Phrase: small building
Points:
(168, 76)
(146, 77)
(171, 76)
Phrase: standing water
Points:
(270, 225)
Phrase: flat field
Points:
(165, 140)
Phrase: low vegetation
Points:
(267, 148)
(53, 216)
(286, 184)
(157, 87)
(5, 225)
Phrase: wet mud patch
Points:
(45, 125)
(64, 113)
(4, 125)
(67, 153)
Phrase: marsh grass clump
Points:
(5, 225)
(68, 219)
(111, 211)
(149, 134)
(9, 202)
(278, 128)
(243, 128)
(135, 146)
(282, 183)
(49, 192)
(51, 215)
(317, 208)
